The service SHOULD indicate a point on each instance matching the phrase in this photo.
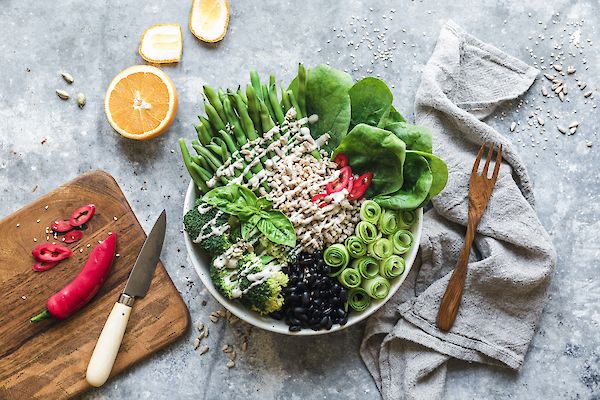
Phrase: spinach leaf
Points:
(278, 228)
(248, 226)
(327, 96)
(371, 149)
(415, 137)
(371, 101)
(233, 199)
(417, 184)
(395, 116)
(439, 171)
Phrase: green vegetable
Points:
(302, 89)
(277, 228)
(370, 211)
(253, 109)
(402, 241)
(388, 222)
(189, 164)
(358, 299)
(367, 232)
(355, 246)
(395, 116)
(337, 258)
(378, 287)
(439, 173)
(275, 104)
(406, 218)
(225, 279)
(242, 111)
(215, 101)
(350, 278)
(371, 149)
(392, 267)
(327, 96)
(371, 101)
(415, 137)
(195, 224)
(367, 267)
(255, 81)
(381, 248)
(264, 297)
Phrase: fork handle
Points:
(453, 294)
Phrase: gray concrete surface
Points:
(45, 141)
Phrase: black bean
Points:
(335, 288)
(344, 296)
(305, 298)
(295, 321)
(317, 302)
(299, 310)
(295, 328)
(334, 301)
(277, 315)
(340, 312)
(343, 321)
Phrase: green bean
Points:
(245, 119)
(285, 100)
(221, 143)
(228, 141)
(215, 121)
(275, 104)
(265, 118)
(199, 133)
(235, 124)
(205, 174)
(195, 142)
(187, 160)
(302, 88)
(253, 109)
(221, 94)
(204, 121)
(295, 104)
(214, 100)
(241, 93)
(255, 80)
(215, 148)
(267, 102)
(210, 158)
(200, 161)
(271, 80)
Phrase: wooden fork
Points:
(480, 190)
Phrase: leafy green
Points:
(418, 179)
(327, 96)
(395, 116)
(439, 172)
(415, 137)
(371, 149)
(233, 199)
(371, 102)
(278, 228)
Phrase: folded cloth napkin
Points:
(513, 257)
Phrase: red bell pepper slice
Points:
(61, 226)
(82, 215)
(73, 236)
(51, 252)
(341, 183)
(341, 160)
(44, 265)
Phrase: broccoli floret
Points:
(194, 223)
(264, 297)
(226, 280)
(278, 251)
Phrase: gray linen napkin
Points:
(513, 258)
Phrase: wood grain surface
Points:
(48, 360)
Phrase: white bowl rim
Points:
(273, 325)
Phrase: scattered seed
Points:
(588, 143)
(115, 218)
(513, 126)
(225, 348)
(25, 297)
(587, 94)
(37, 221)
(62, 94)
(81, 251)
(564, 89)
(213, 319)
(205, 332)
(230, 364)
(18, 225)
(244, 346)
(203, 350)
(582, 85)
(117, 255)
(556, 86)
(45, 207)
(573, 130)
(550, 77)
(571, 70)
(200, 326)
(540, 120)
(67, 77)
(232, 355)
(557, 67)
(196, 343)
(221, 313)
(35, 239)
(561, 96)
(574, 124)
(81, 100)
(544, 91)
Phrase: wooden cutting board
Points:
(48, 360)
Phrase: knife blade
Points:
(109, 342)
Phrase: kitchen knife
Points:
(106, 349)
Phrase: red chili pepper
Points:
(73, 236)
(51, 252)
(361, 184)
(85, 285)
(82, 215)
(341, 160)
(61, 226)
(342, 182)
(44, 265)
(318, 197)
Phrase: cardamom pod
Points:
(62, 94)
(67, 77)
(81, 100)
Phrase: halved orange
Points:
(141, 102)
(209, 19)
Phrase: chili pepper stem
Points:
(41, 316)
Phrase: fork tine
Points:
(497, 166)
(487, 160)
(478, 159)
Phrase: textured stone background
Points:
(95, 40)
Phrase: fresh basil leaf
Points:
(371, 149)
(233, 199)
(248, 195)
(249, 225)
(264, 204)
(371, 101)
(418, 179)
(278, 228)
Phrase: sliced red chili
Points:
(318, 197)
(51, 252)
(351, 184)
(82, 215)
(61, 226)
(73, 236)
(44, 265)
(361, 184)
(341, 160)
(341, 182)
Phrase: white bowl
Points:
(202, 263)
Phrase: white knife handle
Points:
(107, 348)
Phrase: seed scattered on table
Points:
(203, 350)
(557, 67)
(571, 70)
(67, 77)
(513, 126)
(540, 120)
(550, 77)
(81, 100)
(62, 94)
(544, 91)
(230, 364)
(588, 143)
(196, 343)
(587, 94)
(574, 124)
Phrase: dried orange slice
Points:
(209, 19)
(161, 44)
(141, 102)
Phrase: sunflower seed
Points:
(81, 100)
(230, 364)
(205, 332)
(557, 67)
(549, 76)
(62, 94)
(587, 94)
(571, 70)
(196, 343)
(540, 120)
(562, 129)
(561, 96)
(513, 126)
(544, 91)
(564, 89)
(558, 89)
(67, 77)
(556, 86)
(574, 124)
(203, 350)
